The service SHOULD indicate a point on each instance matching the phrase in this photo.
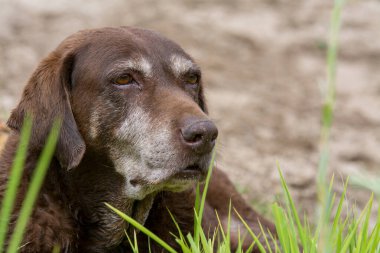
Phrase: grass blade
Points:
(203, 200)
(281, 227)
(34, 187)
(14, 179)
(292, 208)
(266, 237)
(255, 238)
(140, 227)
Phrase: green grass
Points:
(348, 232)
(328, 105)
(371, 183)
(14, 180)
(33, 188)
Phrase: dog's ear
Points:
(47, 97)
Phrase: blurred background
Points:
(264, 68)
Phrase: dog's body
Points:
(134, 134)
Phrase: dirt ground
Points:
(264, 66)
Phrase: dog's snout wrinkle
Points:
(200, 135)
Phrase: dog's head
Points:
(129, 94)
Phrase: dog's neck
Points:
(95, 182)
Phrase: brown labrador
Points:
(135, 134)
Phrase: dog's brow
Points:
(181, 65)
(141, 65)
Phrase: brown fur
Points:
(71, 83)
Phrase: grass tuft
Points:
(14, 179)
(34, 187)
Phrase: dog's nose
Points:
(200, 135)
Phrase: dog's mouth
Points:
(194, 172)
(191, 172)
(175, 179)
(185, 177)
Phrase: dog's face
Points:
(137, 97)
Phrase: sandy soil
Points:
(264, 64)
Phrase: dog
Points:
(135, 133)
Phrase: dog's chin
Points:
(194, 172)
(185, 178)
(156, 180)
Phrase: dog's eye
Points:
(192, 79)
(124, 80)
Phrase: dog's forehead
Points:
(140, 49)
